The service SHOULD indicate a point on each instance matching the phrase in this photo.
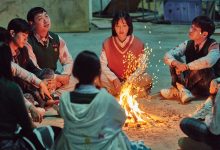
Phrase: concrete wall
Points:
(66, 15)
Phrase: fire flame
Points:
(127, 95)
(129, 103)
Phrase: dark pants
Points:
(22, 142)
(197, 81)
(197, 130)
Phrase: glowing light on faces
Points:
(195, 32)
(121, 29)
(42, 22)
(20, 39)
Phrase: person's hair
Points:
(19, 25)
(5, 61)
(86, 67)
(126, 17)
(205, 23)
(4, 35)
(33, 12)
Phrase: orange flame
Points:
(129, 103)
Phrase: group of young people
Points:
(93, 118)
(29, 77)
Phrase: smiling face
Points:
(121, 29)
(41, 22)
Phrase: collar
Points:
(120, 43)
(123, 50)
(200, 45)
(43, 40)
(87, 89)
(15, 53)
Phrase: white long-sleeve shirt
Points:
(25, 75)
(65, 57)
(204, 62)
(105, 69)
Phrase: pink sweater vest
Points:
(123, 61)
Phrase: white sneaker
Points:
(185, 95)
(171, 93)
(204, 110)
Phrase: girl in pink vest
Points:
(119, 56)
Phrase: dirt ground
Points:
(162, 132)
(165, 132)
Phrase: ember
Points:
(135, 116)
(128, 95)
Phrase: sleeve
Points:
(29, 63)
(213, 120)
(24, 74)
(20, 110)
(105, 69)
(174, 53)
(207, 61)
(65, 98)
(65, 58)
(31, 54)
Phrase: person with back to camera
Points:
(93, 118)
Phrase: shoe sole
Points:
(189, 99)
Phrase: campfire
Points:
(129, 103)
(128, 96)
(135, 116)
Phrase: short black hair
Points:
(122, 15)
(33, 12)
(86, 67)
(19, 25)
(205, 23)
(4, 35)
(5, 61)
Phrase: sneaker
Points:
(171, 93)
(204, 110)
(185, 95)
